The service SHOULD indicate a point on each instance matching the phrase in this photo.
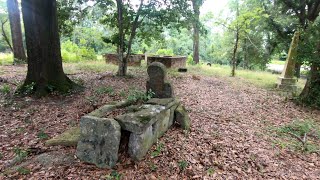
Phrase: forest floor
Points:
(234, 135)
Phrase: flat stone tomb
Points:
(100, 137)
(134, 59)
(169, 61)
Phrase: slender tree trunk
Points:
(196, 31)
(45, 72)
(234, 59)
(122, 69)
(4, 34)
(16, 33)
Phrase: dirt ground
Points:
(230, 136)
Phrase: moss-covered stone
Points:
(182, 117)
(68, 138)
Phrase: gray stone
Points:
(100, 140)
(102, 111)
(139, 144)
(139, 121)
(162, 124)
(158, 101)
(157, 82)
(68, 138)
(182, 117)
(287, 81)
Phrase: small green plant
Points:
(1, 156)
(5, 89)
(183, 165)
(23, 171)
(114, 175)
(20, 153)
(105, 90)
(165, 52)
(153, 167)
(42, 135)
(190, 60)
(158, 150)
(92, 99)
(137, 95)
(122, 93)
(210, 171)
(301, 135)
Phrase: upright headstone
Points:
(157, 82)
(287, 81)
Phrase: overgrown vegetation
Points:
(299, 135)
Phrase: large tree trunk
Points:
(16, 33)
(45, 72)
(196, 31)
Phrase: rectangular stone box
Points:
(134, 59)
(169, 61)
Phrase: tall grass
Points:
(261, 79)
(6, 58)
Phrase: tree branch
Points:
(4, 34)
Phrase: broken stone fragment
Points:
(68, 138)
(182, 117)
(99, 142)
(139, 121)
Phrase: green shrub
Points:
(72, 52)
(6, 58)
(137, 95)
(165, 52)
(190, 60)
(5, 89)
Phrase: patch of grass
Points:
(153, 167)
(5, 89)
(183, 165)
(88, 66)
(42, 135)
(260, 79)
(299, 135)
(210, 171)
(105, 90)
(278, 62)
(6, 58)
(23, 171)
(137, 95)
(21, 154)
(114, 175)
(122, 93)
(158, 150)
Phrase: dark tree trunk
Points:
(16, 33)
(196, 31)
(311, 91)
(45, 72)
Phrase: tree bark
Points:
(122, 69)
(16, 33)
(311, 91)
(235, 49)
(196, 31)
(4, 34)
(45, 72)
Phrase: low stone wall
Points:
(134, 59)
(169, 61)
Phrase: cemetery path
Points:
(231, 134)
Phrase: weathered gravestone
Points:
(158, 82)
(287, 81)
